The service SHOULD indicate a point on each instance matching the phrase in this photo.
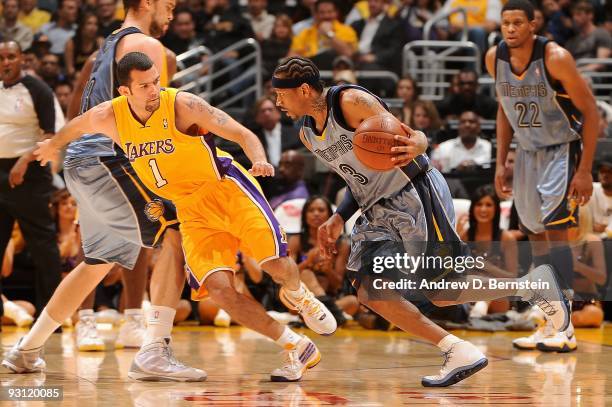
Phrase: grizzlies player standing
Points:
(542, 100)
(117, 215)
(410, 204)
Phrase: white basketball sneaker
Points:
(156, 362)
(530, 342)
(88, 337)
(316, 315)
(24, 361)
(222, 319)
(460, 362)
(132, 332)
(299, 358)
(549, 297)
(559, 342)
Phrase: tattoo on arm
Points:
(197, 104)
(364, 100)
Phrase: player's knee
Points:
(225, 296)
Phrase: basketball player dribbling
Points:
(168, 137)
(410, 203)
(542, 100)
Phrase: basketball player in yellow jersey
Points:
(165, 135)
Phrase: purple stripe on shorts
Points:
(222, 163)
(255, 194)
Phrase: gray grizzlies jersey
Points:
(100, 88)
(539, 111)
(334, 147)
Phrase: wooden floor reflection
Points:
(359, 368)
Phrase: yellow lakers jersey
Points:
(170, 163)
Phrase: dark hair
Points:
(132, 61)
(483, 192)
(319, 2)
(524, 5)
(78, 36)
(130, 4)
(64, 83)
(304, 234)
(298, 67)
(407, 77)
(57, 198)
(584, 6)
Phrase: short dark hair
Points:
(524, 5)
(64, 83)
(132, 61)
(583, 6)
(130, 4)
(319, 2)
(296, 68)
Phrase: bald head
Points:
(10, 62)
(291, 166)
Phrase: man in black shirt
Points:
(468, 98)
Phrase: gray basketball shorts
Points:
(540, 187)
(117, 214)
(421, 212)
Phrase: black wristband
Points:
(348, 206)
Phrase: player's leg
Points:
(262, 238)
(132, 332)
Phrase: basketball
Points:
(374, 139)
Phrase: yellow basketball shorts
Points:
(223, 218)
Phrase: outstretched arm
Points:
(192, 110)
(100, 119)
(358, 105)
(562, 67)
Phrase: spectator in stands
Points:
(41, 45)
(225, 26)
(380, 40)
(326, 39)
(467, 150)
(590, 271)
(31, 16)
(63, 93)
(290, 182)
(344, 77)
(262, 23)
(590, 41)
(361, 11)
(304, 16)
(275, 135)
(325, 277)
(64, 212)
(107, 22)
(602, 199)
(481, 229)
(483, 17)
(31, 63)
(276, 47)
(413, 15)
(540, 24)
(425, 117)
(85, 42)
(11, 29)
(468, 98)
(182, 36)
(50, 70)
(63, 27)
(26, 187)
(559, 23)
(408, 91)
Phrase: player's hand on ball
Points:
(262, 169)
(503, 191)
(414, 143)
(46, 152)
(327, 235)
(581, 187)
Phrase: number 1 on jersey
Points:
(159, 180)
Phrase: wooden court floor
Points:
(359, 368)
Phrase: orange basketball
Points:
(374, 139)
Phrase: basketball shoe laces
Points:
(168, 353)
(543, 303)
(309, 305)
(447, 357)
(291, 359)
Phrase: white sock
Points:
(160, 320)
(288, 338)
(83, 313)
(297, 293)
(447, 342)
(132, 312)
(40, 332)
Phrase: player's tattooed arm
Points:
(192, 110)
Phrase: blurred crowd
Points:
(344, 37)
